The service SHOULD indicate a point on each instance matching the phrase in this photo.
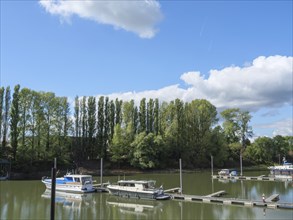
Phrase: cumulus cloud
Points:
(282, 127)
(266, 82)
(139, 17)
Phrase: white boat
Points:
(71, 183)
(283, 172)
(141, 189)
(226, 172)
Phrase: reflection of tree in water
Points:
(233, 212)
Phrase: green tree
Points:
(147, 149)
(156, 117)
(150, 116)
(112, 118)
(142, 116)
(84, 126)
(14, 121)
(91, 105)
(6, 116)
(118, 111)
(260, 151)
(101, 125)
(1, 114)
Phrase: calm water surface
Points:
(30, 200)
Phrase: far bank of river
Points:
(122, 172)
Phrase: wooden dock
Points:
(215, 198)
(256, 178)
(173, 190)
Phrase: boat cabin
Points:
(77, 179)
(142, 185)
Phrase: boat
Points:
(76, 183)
(141, 189)
(226, 172)
(282, 172)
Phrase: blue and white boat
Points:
(75, 183)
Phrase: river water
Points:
(30, 200)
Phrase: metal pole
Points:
(241, 162)
(101, 175)
(53, 190)
(212, 165)
(180, 167)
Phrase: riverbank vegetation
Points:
(36, 127)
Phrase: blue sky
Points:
(232, 53)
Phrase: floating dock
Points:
(215, 198)
(256, 178)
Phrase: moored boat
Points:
(71, 183)
(283, 172)
(141, 189)
(226, 172)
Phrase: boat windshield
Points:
(86, 180)
(151, 184)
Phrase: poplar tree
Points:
(76, 118)
(156, 117)
(150, 116)
(100, 128)
(142, 116)
(118, 111)
(112, 119)
(1, 112)
(83, 110)
(106, 132)
(6, 116)
(91, 105)
(14, 121)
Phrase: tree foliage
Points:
(147, 136)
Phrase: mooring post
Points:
(212, 165)
(241, 163)
(101, 174)
(53, 189)
(180, 167)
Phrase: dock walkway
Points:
(234, 201)
(256, 178)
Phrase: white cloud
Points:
(282, 127)
(139, 17)
(267, 82)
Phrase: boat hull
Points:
(69, 188)
(138, 194)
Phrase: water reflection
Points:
(70, 200)
(134, 207)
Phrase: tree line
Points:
(38, 126)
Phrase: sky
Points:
(235, 54)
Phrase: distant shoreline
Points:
(114, 172)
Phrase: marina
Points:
(256, 178)
(204, 199)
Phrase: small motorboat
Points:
(141, 189)
(71, 183)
